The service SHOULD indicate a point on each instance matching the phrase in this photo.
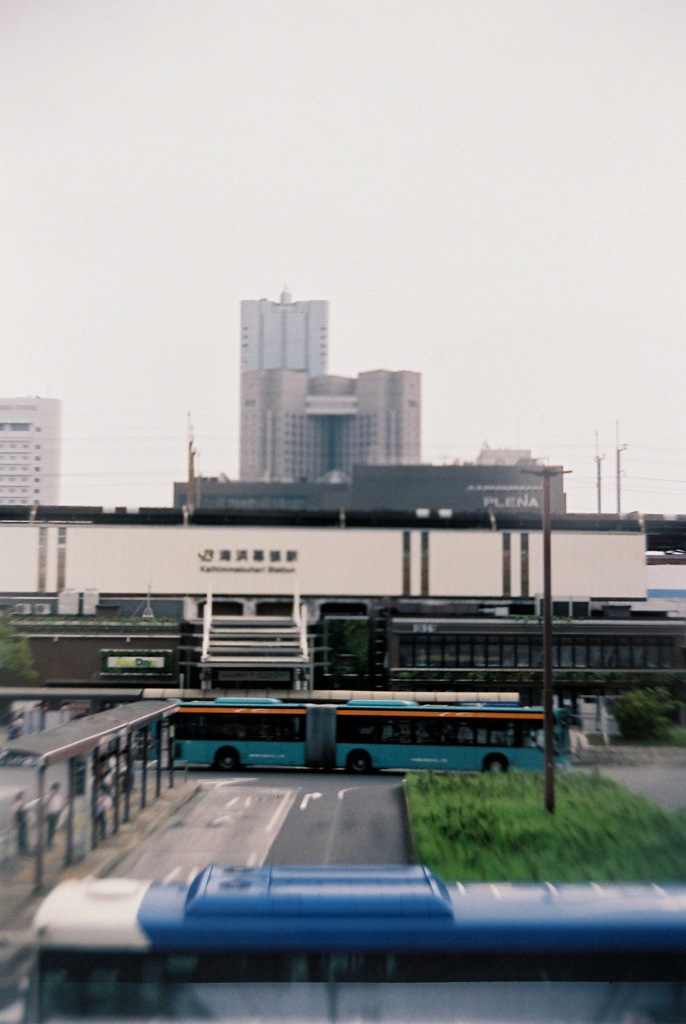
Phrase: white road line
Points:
(172, 874)
(306, 799)
(253, 859)
(278, 813)
(233, 800)
(215, 783)
(333, 829)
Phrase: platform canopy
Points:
(83, 735)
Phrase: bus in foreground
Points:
(351, 944)
(362, 736)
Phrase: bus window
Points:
(465, 735)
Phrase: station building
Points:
(224, 602)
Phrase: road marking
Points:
(306, 799)
(216, 783)
(233, 800)
(253, 859)
(172, 874)
(334, 823)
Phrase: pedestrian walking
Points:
(53, 809)
(20, 820)
(16, 729)
(103, 804)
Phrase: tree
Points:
(645, 714)
(15, 653)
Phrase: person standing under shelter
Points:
(20, 820)
(16, 729)
(53, 809)
(103, 804)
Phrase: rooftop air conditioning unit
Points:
(22, 609)
(42, 608)
(68, 602)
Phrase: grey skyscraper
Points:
(297, 422)
(284, 335)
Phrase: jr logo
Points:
(207, 555)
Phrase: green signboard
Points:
(132, 662)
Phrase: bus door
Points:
(320, 742)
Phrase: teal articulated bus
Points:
(363, 736)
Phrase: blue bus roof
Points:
(390, 704)
(236, 702)
(405, 908)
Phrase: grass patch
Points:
(675, 737)
(495, 828)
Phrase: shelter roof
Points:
(83, 735)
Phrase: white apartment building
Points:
(285, 335)
(30, 451)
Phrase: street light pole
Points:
(548, 732)
(547, 473)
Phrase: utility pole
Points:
(190, 488)
(598, 460)
(548, 734)
(547, 473)
(620, 448)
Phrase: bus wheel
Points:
(359, 762)
(496, 764)
(227, 759)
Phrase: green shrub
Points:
(645, 714)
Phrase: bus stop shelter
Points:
(123, 736)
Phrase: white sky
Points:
(491, 192)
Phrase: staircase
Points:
(251, 644)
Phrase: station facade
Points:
(378, 602)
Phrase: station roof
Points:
(83, 735)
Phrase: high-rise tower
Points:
(299, 423)
(284, 335)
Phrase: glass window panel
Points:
(450, 652)
(566, 653)
(421, 653)
(523, 652)
(536, 653)
(508, 655)
(428, 730)
(465, 735)
(638, 653)
(651, 654)
(465, 644)
(624, 653)
(595, 654)
(493, 651)
(580, 653)
(436, 651)
(406, 653)
(479, 652)
(666, 654)
(609, 652)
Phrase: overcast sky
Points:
(490, 192)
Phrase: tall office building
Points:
(30, 451)
(299, 423)
(284, 335)
(300, 428)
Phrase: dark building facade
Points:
(390, 488)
